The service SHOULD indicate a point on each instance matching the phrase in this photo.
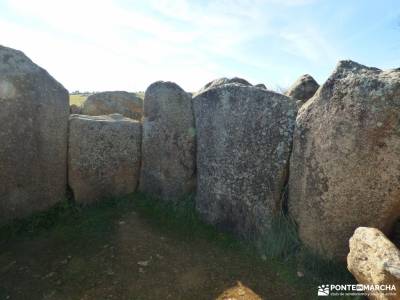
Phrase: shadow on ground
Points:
(118, 253)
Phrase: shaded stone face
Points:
(345, 167)
(124, 103)
(244, 137)
(168, 166)
(103, 157)
(304, 88)
(373, 259)
(33, 133)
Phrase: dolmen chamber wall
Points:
(34, 111)
(168, 146)
(235, 145)
(104, 156)
(244, 136)
(345, 164)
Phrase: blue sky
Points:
(126, 45)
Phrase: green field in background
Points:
(77, 99)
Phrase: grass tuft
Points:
(281, 241)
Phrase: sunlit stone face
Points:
(7, 90)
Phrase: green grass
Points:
(68, 219)
(281, 241)
(181, 218)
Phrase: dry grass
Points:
(77, 99)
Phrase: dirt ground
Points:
(128, 257)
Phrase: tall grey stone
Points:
(104, 157)
(168, 164)
(33, 133)
(244, 137)
(345, 166)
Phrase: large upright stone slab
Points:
(104, 156)
(244, 137)
(168, 164)
(345, 166)
(34, 110)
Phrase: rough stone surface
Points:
(239, 292)
(304, 88)
(345, 166)
(104, 156)
(168, 166)
(74, 109)
(373, 259)
(244, 137)
(124, 103)
(222, 81)
(33, 133)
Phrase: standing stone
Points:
(33, 133)
(304, 88)
(104, 156)
(374, 260)
(222, 81)
(168, 166)
(345, 166)
(127, 104)
(244, 137)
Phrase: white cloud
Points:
(308, 43)
(98, 45)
